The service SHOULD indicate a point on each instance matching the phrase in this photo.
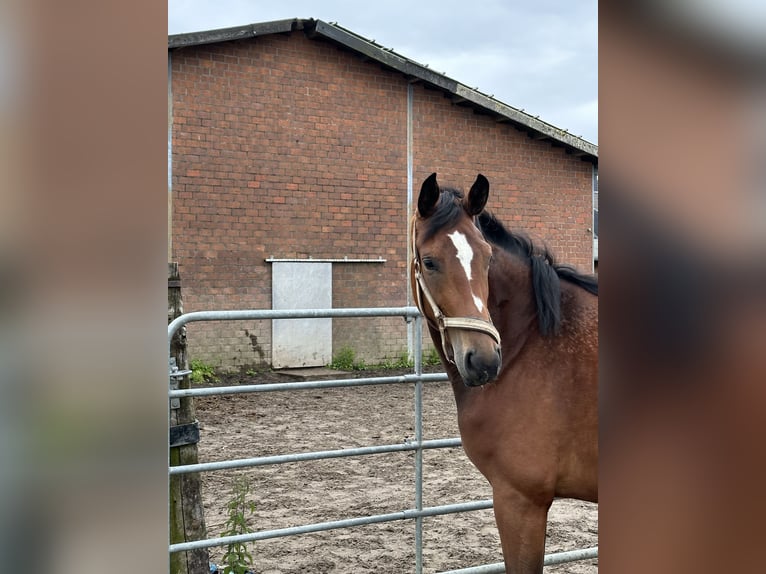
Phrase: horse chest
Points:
(500, 426)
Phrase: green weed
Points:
(202, 372)
(345, 360)
(237, 559)
(432, 358)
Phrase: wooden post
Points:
(187, 517)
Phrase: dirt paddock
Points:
(261, 424)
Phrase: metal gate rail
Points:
(418, 444)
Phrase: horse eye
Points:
(429, 264)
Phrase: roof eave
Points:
(234, 33)
(461, 94)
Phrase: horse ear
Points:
(429, 195)
(477, 197)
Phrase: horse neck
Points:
(511, 303)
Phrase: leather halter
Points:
(441, 321)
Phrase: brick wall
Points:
(288, 147)
(533, 186)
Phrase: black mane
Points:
(546, 272)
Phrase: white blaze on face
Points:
(465, 256)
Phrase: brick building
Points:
(299, 140)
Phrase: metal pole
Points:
(419, 443)
(410, 328)
(315, 455)
(303, 385)
(323, 526)
(257, 314)
(550, 560)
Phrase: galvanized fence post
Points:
(418, 339)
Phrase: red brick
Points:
(267, 163)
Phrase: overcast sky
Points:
(536, 55)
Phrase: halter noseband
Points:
(443, 322)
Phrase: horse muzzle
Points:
(478, 367)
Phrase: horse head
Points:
(450, 277)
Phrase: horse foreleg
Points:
(521, 523)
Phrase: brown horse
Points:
(518, 337)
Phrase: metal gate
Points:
(418, 445)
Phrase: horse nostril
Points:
(469, 359)
(479, 363)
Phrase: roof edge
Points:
(235, 33)
(532, 122)
(461, 93)
(385, 56)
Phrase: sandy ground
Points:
(260, 424)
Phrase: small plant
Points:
(402, 362)
(237, 559)
(432, 358)
(202, 372)
(345, 360)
